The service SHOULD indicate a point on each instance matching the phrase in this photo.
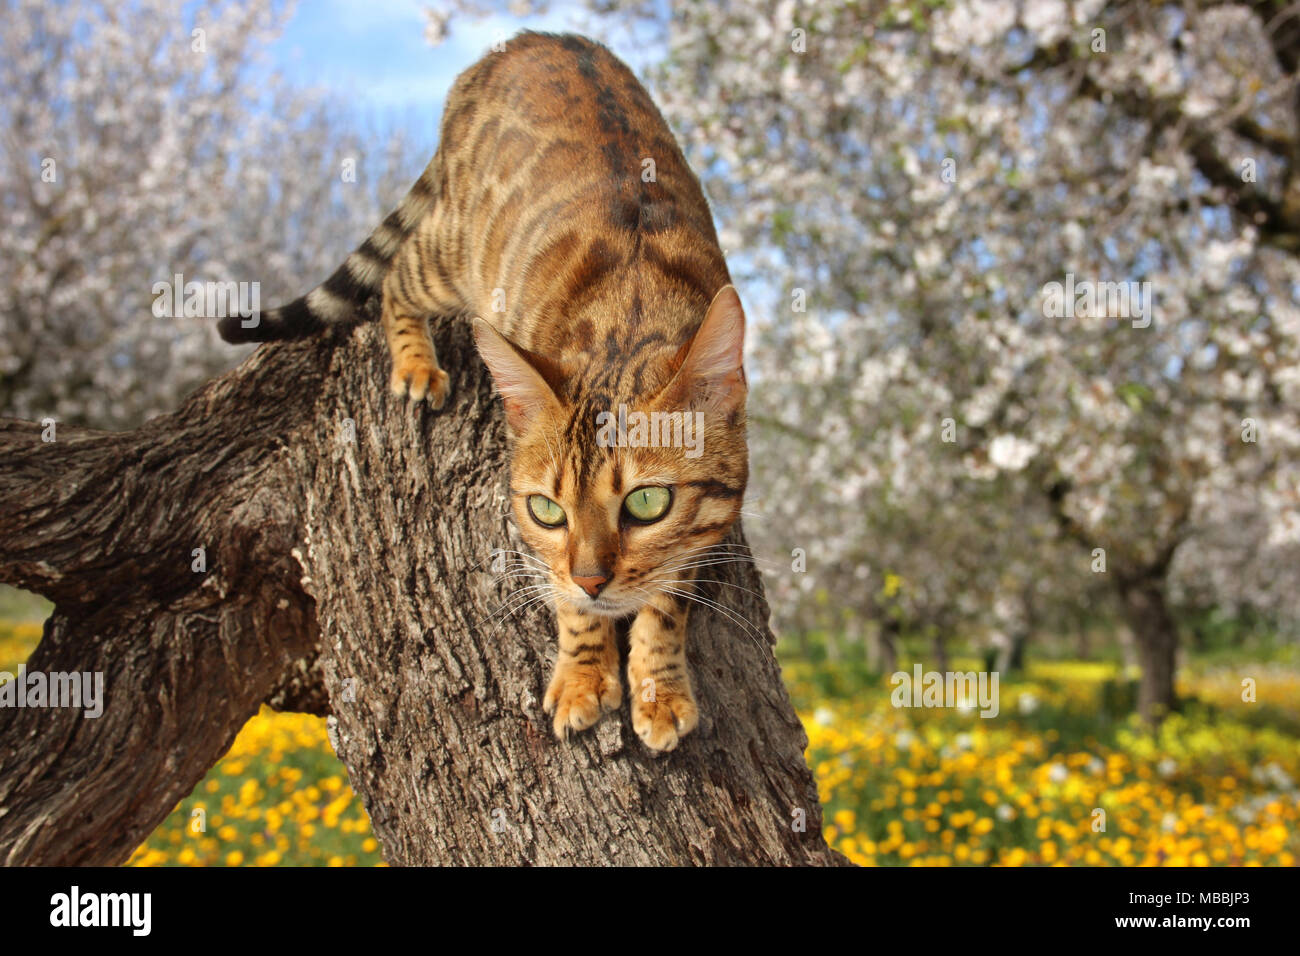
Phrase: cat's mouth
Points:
(607, 606)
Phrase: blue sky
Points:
(372, 53)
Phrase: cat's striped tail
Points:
(338, 300)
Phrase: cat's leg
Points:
(586, 681)
(415, 363)
(663, 705)
(414, 289)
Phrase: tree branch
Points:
(348, 539)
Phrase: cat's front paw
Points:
(666, 718)
(421, 378)
(579, 695)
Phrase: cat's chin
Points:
(607, 607)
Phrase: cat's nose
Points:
(591, 583)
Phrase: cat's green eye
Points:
(546, 511)
(648, 504)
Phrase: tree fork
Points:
(348, 541)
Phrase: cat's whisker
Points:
(720, 544)
(521, 566)
(527, 560)
(535, 599)
(727, 584)
(687, 561)
(691, 594)
(520, 555)
(521, 591)
(649, 595)
(708, 561)
(749, 629)
(721, 547)
(530, 594)
(744, 625)
(519, 609)
(715, 562)
(521, 572)
(509, 613)
(734, 558)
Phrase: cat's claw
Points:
(421, 379)
(662, 723)
(577, 697)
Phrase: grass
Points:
(1216, 785)
(279, 796)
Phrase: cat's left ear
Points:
(712, 375)
(522, 388)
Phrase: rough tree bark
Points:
(348, 542)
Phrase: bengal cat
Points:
(560, 212)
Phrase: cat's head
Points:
(619, 481)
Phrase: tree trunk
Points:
(1010, 657)
(348, 539)
(1156, 638)
(939, 648)
(887, 645)
(833, 653)
(1082, 639)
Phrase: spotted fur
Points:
(561, 213)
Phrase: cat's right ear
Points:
(523, 390)
(712, 373)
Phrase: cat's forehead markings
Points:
(608, 474)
